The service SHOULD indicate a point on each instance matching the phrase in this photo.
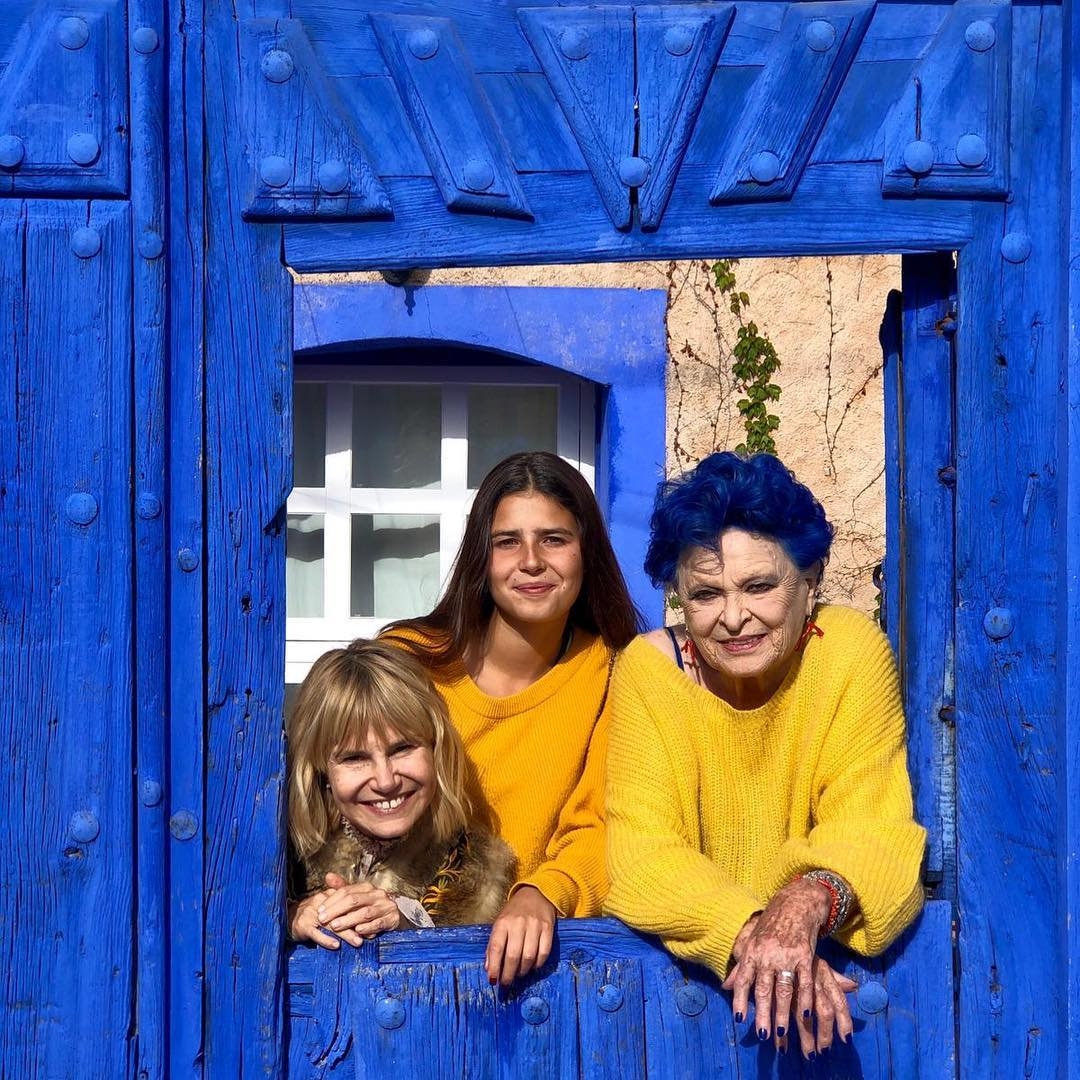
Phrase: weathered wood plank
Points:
(1008, 757)
(66, 853)
(185, 546)
(248, 454)
(147, 108)
(611, 1019)
(835, 209)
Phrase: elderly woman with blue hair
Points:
(758, 794)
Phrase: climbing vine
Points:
(754, 365)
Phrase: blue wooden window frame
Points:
(616, 338)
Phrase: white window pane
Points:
(506, 419)
(397, 436)
(304, 557)
(395, 565)
(309, 435)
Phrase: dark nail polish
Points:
(812, 1056)
(762, 1034)
(806, 1014)
(847, 1038)
(780, 1032)
(738, 1018)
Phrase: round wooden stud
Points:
(1015, 247)
(147, 505)
(150, 244)
(277, 66)
(150, 793)
(678, 39)
(83, 148)
(479, 174)
(764, 167)
(84, 826)
(12, 151)
(145, 40)
(574, 43)
(872, 997)
(390, 1013)
(534, 1010)
(918, 157)
(609, 997)
(333, 177)
(423, 44)
(187, 560)
(183, 825)
(633, 171)
(820, 35)
(86, 242)
(81, 508)
(980, 35)
(690, 1000)
(998, 623)
(73, 33)
(275, 171)
(971, 150)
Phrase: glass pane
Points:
(506, 419)
(395, 565)
(309, 435)
(397, 436)
(304, 548)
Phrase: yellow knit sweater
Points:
(712, 809)
(537, 771)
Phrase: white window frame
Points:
(576, 443)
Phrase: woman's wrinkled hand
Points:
(352, 912)
(775, 958)
(830, 1008)
(521, 936)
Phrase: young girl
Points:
(521, 647)
(377, 811)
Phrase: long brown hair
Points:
(603, 606)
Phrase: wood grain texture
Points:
(955, 92)
(927, 575)
(50, 94)
(184, 522)
(451, 116)
(149, 122)
(1008, 523)
(66, 681)
(248, 459)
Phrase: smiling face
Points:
(384, 787)
(745, 606)
(536, 569)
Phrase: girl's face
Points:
(745, 606)
(536, 568)
(384, 787)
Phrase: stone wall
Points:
(824, 316)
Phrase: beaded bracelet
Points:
(841, 898)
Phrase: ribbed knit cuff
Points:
(555, 886)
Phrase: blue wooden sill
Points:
(609, 1002)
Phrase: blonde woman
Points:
(377, 811)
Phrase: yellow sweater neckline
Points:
(584, 646)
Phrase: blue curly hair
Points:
(726, 491)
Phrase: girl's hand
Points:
(521, 936)
(777, 955)
(356, 912)
(304, 922)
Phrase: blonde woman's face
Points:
(383, 787)
(745, 605)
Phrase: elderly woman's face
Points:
(745, 605)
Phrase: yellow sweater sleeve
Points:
(574, 874)
(661, 882)
(863, 826)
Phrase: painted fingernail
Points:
(780, 1032)
(806, 1014)
(738, 1018)
(812, 1056)
(762, 1034)
(847, 1038)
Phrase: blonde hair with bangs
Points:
(371, 685)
